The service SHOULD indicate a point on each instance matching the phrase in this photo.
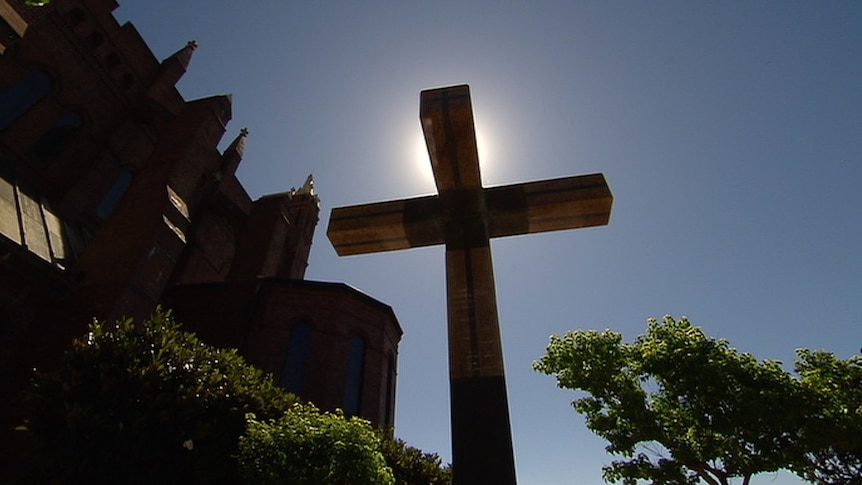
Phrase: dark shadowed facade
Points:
(115, 198)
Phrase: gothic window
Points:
(293, 373)
(115, 193)
(390, 392)
(355, 374)
(52, 140)
(21, 96)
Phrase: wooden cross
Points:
(465, 216)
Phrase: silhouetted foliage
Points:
(833, 432)
(411, 466)
(681, 407)
(148, 403)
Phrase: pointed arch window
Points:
(21, 96)
(295, 362)
(116, 192)
(355, 375)
(52, 140)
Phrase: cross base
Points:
(481, 434)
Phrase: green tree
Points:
(679, 406)
(411, 466)
(306, 446)
(147, 403)
(833, 431)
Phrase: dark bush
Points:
(147, 403)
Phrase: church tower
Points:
(276, 241)
(303, 214)
(115, 198)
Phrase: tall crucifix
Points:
(465, 216)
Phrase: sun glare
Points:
(486, 163)
(423, 163)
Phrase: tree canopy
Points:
(681, 407)
(834, 427)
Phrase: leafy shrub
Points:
(306, 446)
(147, 403)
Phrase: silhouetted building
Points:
(114, 198)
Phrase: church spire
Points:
(233, 153)
(163, 87)
(173, 68)
(184, 55)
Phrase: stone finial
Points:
(308, 186)
(232, 155)
(184, 55)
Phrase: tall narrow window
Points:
(35, 233)
(52, 140)
(355, 374)
(21, 96)
(112, 198)
(61, 253)
(10, 226)
(389, 407)
(293, 374)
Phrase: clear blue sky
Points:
(730, 134)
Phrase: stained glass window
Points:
(293, 374)
(21, 96)
(355, 374)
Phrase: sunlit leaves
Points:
(835, 430)
(681, 406)
(306, 446)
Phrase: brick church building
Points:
(114, 198)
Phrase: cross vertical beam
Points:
(481, 431)
(465, 216)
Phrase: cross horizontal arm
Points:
(550, 205)
(386, 226)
